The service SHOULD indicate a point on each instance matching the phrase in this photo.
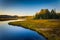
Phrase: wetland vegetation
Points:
(44, 22)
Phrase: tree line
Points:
(46, 14)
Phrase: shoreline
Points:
(31, 29)
(44, 31)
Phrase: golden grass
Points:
(49, 28)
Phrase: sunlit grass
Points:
(50, 28)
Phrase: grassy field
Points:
(48, 28)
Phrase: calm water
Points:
(9, 32)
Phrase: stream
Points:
(9, 32)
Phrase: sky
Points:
(27, 7)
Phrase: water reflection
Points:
(8, 32)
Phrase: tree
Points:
(36, 16)
(46, 14)
(54, 15)
(43, 14)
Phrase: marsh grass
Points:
(50, 28)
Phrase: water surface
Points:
(9, 32)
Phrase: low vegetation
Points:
(45, 23)
(7, 17)
(49, 28)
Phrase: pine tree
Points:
(36, 16)
(54, 15)
(43, 14)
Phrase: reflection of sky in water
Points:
(8, 32)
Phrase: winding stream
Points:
(9, 32)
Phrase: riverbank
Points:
(48, 28)
(6, 19)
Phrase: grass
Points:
(6, 19)
(48, 28)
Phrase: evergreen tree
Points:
(54, 15)
(36, 16)
(45, 14)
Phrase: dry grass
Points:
(49, 28)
